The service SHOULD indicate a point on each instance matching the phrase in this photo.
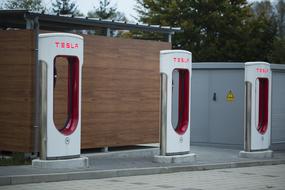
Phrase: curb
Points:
(55, 177)
(81, 162)
(149, 152)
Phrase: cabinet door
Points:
(278, 109)
(226, 103)
(199, 120)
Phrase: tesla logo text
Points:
(260, 70)
(66, 45)
(181, 60)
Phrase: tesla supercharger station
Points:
(257, 127)
(175, 75)
(60, 142)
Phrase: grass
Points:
(14, 159)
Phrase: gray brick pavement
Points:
(106, 166)
(251, 178)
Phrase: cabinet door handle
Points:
(214, 96)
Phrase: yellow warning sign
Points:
(230, 96)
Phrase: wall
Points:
(120, 91)
(16, 90)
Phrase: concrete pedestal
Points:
(81, 162)
(185, 158)
(256, 154)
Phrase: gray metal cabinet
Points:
(218, 122)
(215, 120)
(278, 108)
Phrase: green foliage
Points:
(14, 159)
(31, 5)
(264, 8)
(65, 7)
(106, 11)
(216, 30)
(213, 30)
(278, 52)
(262, 29)
(280, 17)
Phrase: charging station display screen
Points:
(66, 84)
(180, 100)
(262, 124)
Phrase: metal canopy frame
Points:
(26, 19)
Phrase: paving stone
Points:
(165, 186)
(139, 183)
(270, 176)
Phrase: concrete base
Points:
(185, 158)
(81, 162)
(256, 154)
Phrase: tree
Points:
(31, 5)
(262, 31)
(65, 7)
(273, 35)
(263, 8)
(278, 52)
(215, 30)
(106, 11)
(280, 8)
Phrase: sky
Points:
(125, 6)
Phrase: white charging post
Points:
(60, 142)
(257, 122)
(175, 73)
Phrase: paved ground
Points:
(260, 177)
(122, 163)
(205, 155)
